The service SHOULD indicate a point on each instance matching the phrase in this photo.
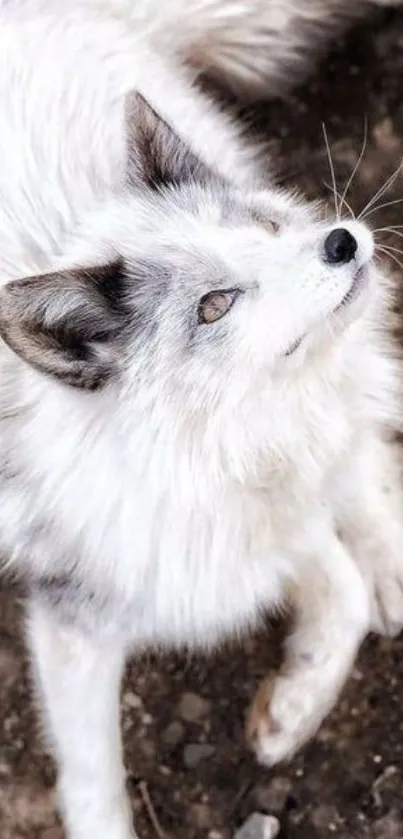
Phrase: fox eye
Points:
(266, 223)
(214, 305)
(271, 226)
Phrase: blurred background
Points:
(190, 774)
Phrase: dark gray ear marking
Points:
(157, 157)
(67, 324)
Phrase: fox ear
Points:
(157, 157)
(66, 324)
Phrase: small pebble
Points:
(323, 816)
(173, 734)
(199, 815)
(194, 753)
(389, 826)
(259, 826)
(5, 768)
(131, 700)
(385, 136)
(193, 707)
(272, 796)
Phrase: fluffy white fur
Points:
(258, 47)
(216, 468)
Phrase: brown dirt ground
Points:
(349, 782)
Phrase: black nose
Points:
(340, 246)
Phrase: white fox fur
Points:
(258, 47)
(197, 401)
